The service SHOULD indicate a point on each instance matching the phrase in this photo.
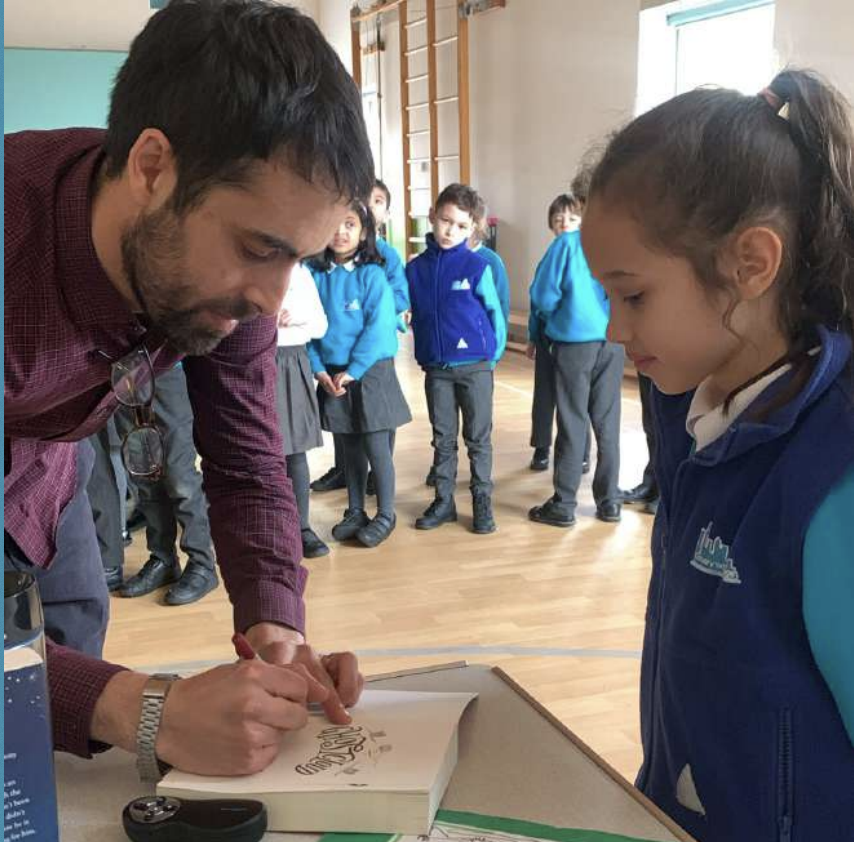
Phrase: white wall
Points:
(547, 79)
(84, 24)
(818, 34)
(333, 17)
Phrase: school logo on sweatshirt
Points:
(353, 305)
(712, 556)
(460, 286)
(462, 344)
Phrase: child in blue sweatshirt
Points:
(460, 333)
(359, 393)
(572, 309)
(734, 292)
(564, 215)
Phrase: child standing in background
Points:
(564, 215)
(460, 333)
(734, 292)
(301, 320)
(359, 393)
(588, 368)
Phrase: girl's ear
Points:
(752, 260)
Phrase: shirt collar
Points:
(350, 266)
(708, 421)
(89, 294)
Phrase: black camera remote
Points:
(158, 818)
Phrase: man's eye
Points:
(258, 256)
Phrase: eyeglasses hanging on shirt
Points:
(132, 382)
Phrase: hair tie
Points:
(775, 102)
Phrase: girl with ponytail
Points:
(722, 228)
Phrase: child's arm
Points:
(315, 316)
(547, 288)
(488, 295)
(829, 595)
(397, 279)
(313, 351)
(379, 319)
(502, 286)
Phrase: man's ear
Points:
(752, 260)
(431, 216)
(151, 170)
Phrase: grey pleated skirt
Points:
(374, 403)
(296, 401)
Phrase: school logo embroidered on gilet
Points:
(712, 556)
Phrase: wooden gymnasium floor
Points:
(560, 610)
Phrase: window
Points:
(682, 46)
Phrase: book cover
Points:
(385, 772)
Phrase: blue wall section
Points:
(52, 89)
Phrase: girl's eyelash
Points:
(633, 299)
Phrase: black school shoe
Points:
(349, 526)
(332, 480)
(483, 522)
(377, 530)
(609, 512)
(312, 545)
(114, 577)
(540, 459)
(155, 574)
(640, 494)
(441, 510)
(550, 514)
(196, 581)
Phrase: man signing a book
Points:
(235, 144)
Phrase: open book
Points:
(384, 773)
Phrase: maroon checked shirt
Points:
(62, 315)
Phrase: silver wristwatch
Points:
(153, 698)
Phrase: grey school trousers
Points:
(588, 378)
(465, 389)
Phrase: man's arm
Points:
(253, 514)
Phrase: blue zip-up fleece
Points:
(396, 275)
(362, 323)
(742, 739)
(567, 302)
(456, 314)
(499, 276)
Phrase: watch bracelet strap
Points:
(148, 766)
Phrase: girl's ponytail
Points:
(822, 286)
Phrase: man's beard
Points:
(153, 262)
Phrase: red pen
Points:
(243, 647)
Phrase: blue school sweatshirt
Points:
(499, 276)
(743, 738)
(569, 302)
(456, 314)
(396, 275)
(362, 323)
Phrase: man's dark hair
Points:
(464, 197)
(379, 184)
(234, 82)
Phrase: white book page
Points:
(396, 743)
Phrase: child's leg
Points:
(543, 405)
(298, 472)
(474, 394)
(355, 469)
(439, 386)
(605, 386)
(338, 443)
(378, 449)
(574, 363)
